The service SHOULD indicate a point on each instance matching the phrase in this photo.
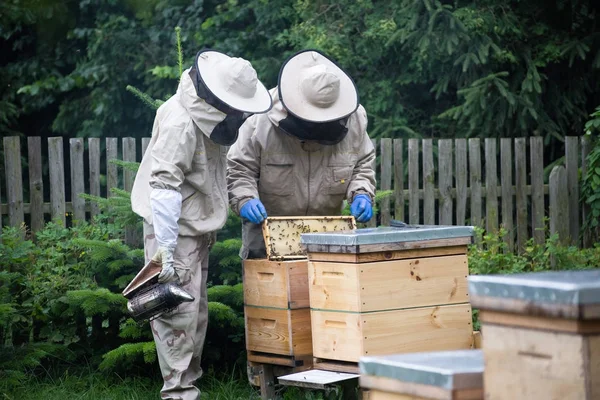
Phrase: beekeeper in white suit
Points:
(180, 190)
(308, 154)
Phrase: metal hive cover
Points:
(555, 287)
(450, 370)
(387, 234)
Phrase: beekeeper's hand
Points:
(254, 211)
(361, 208)
(164, 255)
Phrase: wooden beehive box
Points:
(447, 375)
(388, 290)
(276, 302)
(282, 234)
(542, 334)
(276, 312)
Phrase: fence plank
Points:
(57, 178)
(386, 179)
(398, 180)
(572, 165)
(14, 180)
(445, 173)
(586, 211)
(413, 181)
(507, 196)
(36, 183)
(475, 180)
(94, 159)
(491, 182)
(77, 179)
(129, 156)
(521, 197)
(559, 202)
(461, 180)
(428, 183)
(145, 143)
(537, 189)
(112, 174)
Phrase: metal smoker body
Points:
(149, 299)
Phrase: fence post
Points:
(445, 174)
(475, 180)
(558, 203)
(521, 196)
(428, 183)
(145, 144)
(461, 180)
(112, 173)
(572, 164)
(77, 181)
(129, 156)
(94, 159)
(386, 179)
(14, 180)
(413, 181)
(398, 180)
(507, 195)
(537, 189)
(36, 183)
(57, 178)
(491, 184)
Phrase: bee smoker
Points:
(149, 299)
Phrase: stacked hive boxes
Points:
(542, 334)
(387, 290)
(276, 303)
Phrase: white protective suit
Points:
(295, 178)
(180, 189)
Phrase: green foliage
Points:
(423, 68)
(491, 256)
(86, 385)
(590, 189)
(129, 355)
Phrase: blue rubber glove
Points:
(254, 211)
(361, 208)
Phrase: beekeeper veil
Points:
(231, 86)
(318, 96)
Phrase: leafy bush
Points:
(491, 256)
(590, 189)
(61, 302)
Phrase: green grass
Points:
(99, 387)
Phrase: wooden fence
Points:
(481, 182)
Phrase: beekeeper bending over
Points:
(180, 191)
(306, 155)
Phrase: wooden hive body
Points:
(542, 334)
(276, 312)
(276, 300)
(400, 296)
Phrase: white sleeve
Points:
(166, 209)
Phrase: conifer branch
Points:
(179, 51)
(144, 97)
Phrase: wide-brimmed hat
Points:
(314, 88)
(234, 81)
